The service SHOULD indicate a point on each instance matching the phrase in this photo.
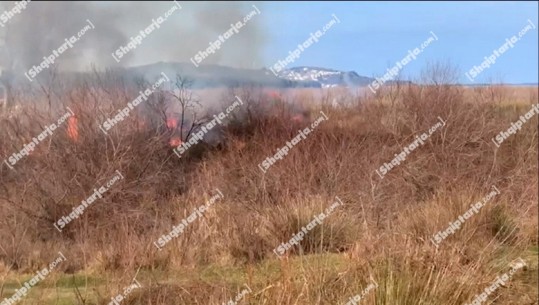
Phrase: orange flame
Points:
(140, 123)
(275, 95)
(172, 123)
(298, 118)
(175, 142)
(73, 128)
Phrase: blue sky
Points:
(372, 36)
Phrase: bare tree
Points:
(184, 99)
(440, 73)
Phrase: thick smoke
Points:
(44, 26)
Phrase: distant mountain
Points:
(213, 75)
(216, 76)
(325, 78)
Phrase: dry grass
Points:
(382, 233)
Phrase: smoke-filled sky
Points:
(43, 27)
(370, 37)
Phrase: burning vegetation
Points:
(235, 238)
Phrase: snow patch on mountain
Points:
(326, 78)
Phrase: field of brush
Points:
(381, 235)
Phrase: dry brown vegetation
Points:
(382, 233)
